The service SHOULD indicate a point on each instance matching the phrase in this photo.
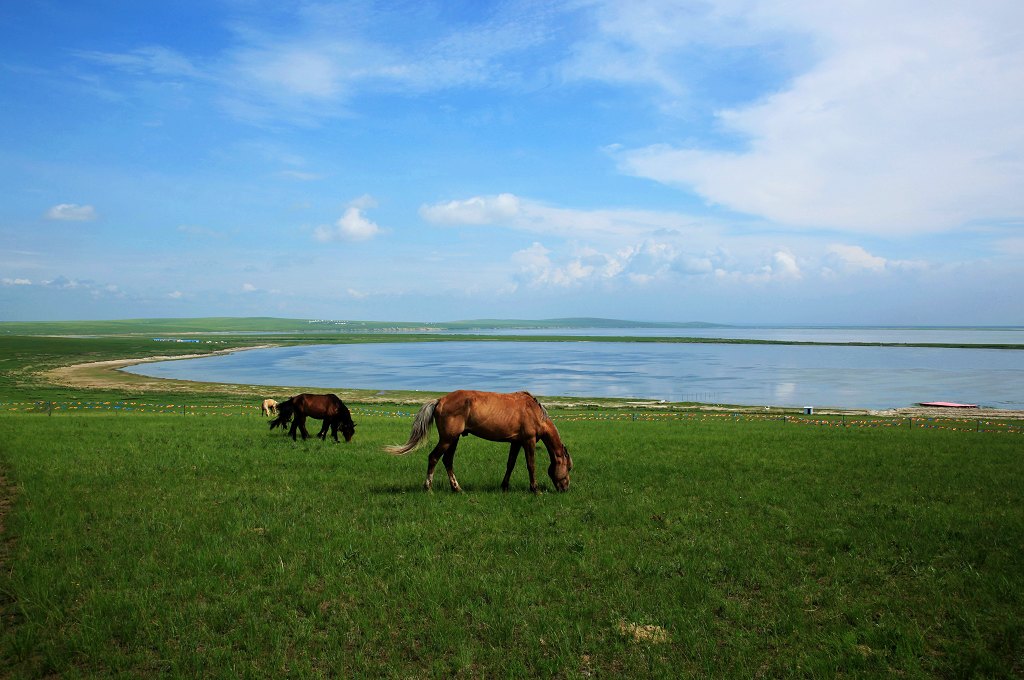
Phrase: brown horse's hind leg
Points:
(435, 455)
(445, 449)
(513, 454)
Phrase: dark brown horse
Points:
(516, 418)
(326, 407)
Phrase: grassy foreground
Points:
(208, 546)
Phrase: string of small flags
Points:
(952, 424)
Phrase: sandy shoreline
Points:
(107, 375)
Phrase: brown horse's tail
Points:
(420, 429)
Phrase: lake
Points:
(770, 375)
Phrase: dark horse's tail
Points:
(285, 410)
(420, 429)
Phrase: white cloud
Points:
(536, 268)
(249, 288)
(644, 42)
(198, 231)
(478, 210)
(153, 60)
(17, 282)
(64, 283)
(855, 257)
(910, 121)
(619, 249)
(300, 176)
(309, 67)
(786, 266)
(71, 212)
(364, 202)
(293, 71)
(513, 212)
(351, 226)
(653, 262)
(623, 247)
(640, 264)
(536, 256)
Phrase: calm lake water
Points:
(775, 375)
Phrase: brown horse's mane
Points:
(537, 401)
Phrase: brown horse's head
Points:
(348, 429)
(558, 471)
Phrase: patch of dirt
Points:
(650, 634)
(953, 413)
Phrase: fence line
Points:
(132, 407)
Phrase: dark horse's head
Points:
(561, 466)
(348, 428)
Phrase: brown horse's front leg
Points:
(531, 451)
(301, 422)
(513, 454)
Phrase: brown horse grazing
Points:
(516, 418)
(327, 407)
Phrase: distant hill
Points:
(570, 322)
(278, 325)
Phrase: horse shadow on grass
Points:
(417, 488)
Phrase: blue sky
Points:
(733, 161)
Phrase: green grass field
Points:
(141, 545)
(137, 544)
